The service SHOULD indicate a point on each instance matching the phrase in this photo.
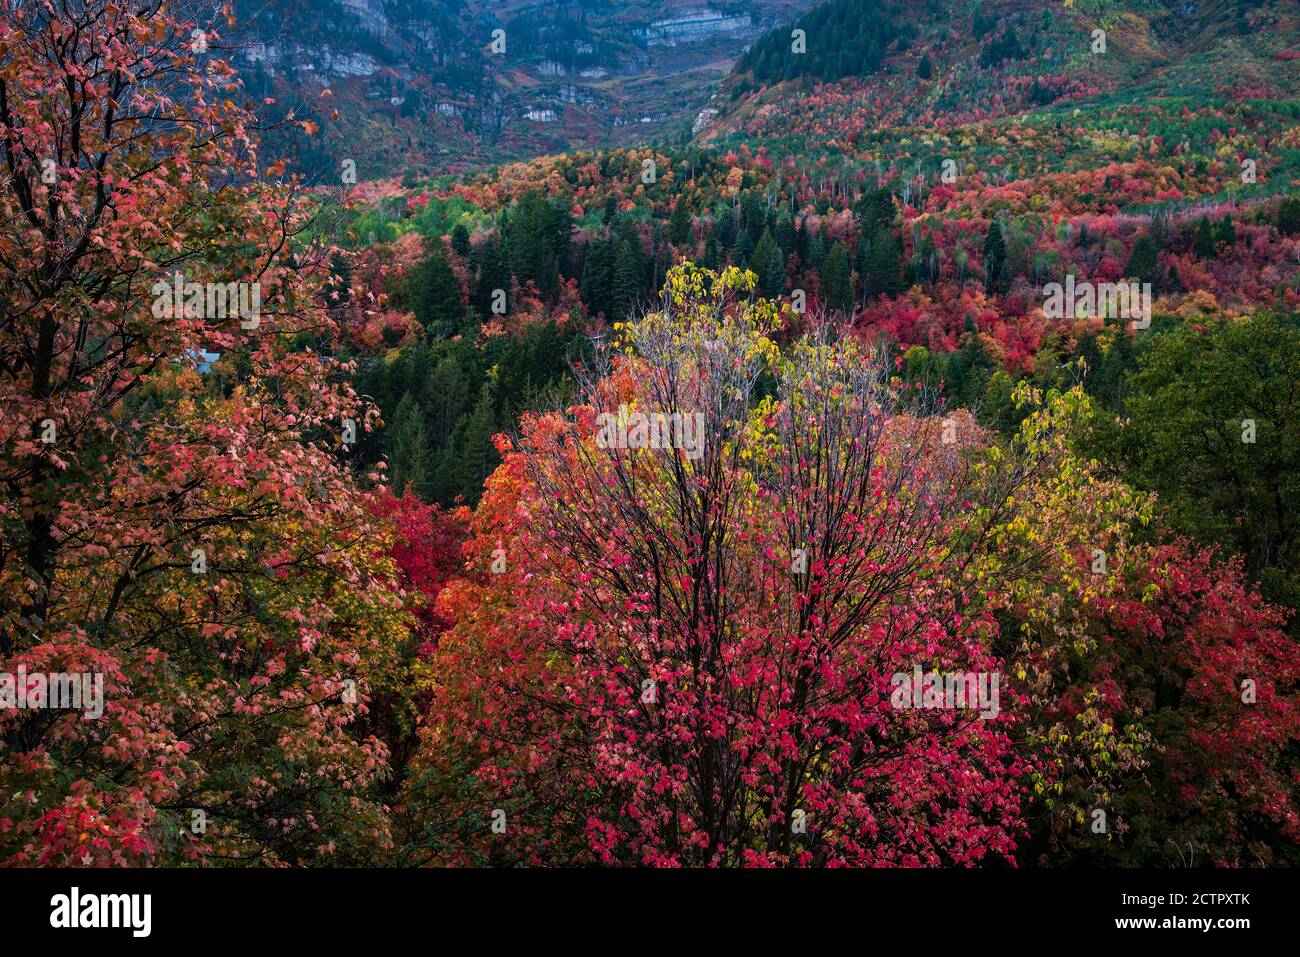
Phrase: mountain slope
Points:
(960, 62)
(452, 85)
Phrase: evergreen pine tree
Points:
(742, 253)
(460, 240)
(711, 254)
(724, 228)
(679, 224)
(882, 264)
(446, 466)
(1142, 262)
(1172, 281)
(477, 455)
(409, 455)
(493, 274)
(785, 235)
(761, 257)
(816, 250)
(1225, 233)
(626, 289)
(433, 294)
(995, 259)
(446, 394)
(874, 209)
(597, 282)
(1288, 216)
(837, 280)
(1203, 244)
(773, 273)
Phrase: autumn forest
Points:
(892, 462)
